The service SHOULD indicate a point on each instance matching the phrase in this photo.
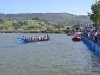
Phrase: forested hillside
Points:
(41, 22)
(50, 17)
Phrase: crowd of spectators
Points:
(92, 33)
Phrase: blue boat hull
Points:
(20, 40)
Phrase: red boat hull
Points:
(76, 39)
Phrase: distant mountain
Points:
(50, 17)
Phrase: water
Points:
(59, 56)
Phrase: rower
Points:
(76, 35)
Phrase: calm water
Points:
(59, 56)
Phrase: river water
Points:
(58, 56)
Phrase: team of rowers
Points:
(36, 38)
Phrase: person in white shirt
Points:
(95, 36)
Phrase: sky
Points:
(76, 7)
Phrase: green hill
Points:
(50, 17)
(41, 22)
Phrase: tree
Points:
(16, 25)
(59, 26)
(1, 21)
(95, 15)
(36, 18)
